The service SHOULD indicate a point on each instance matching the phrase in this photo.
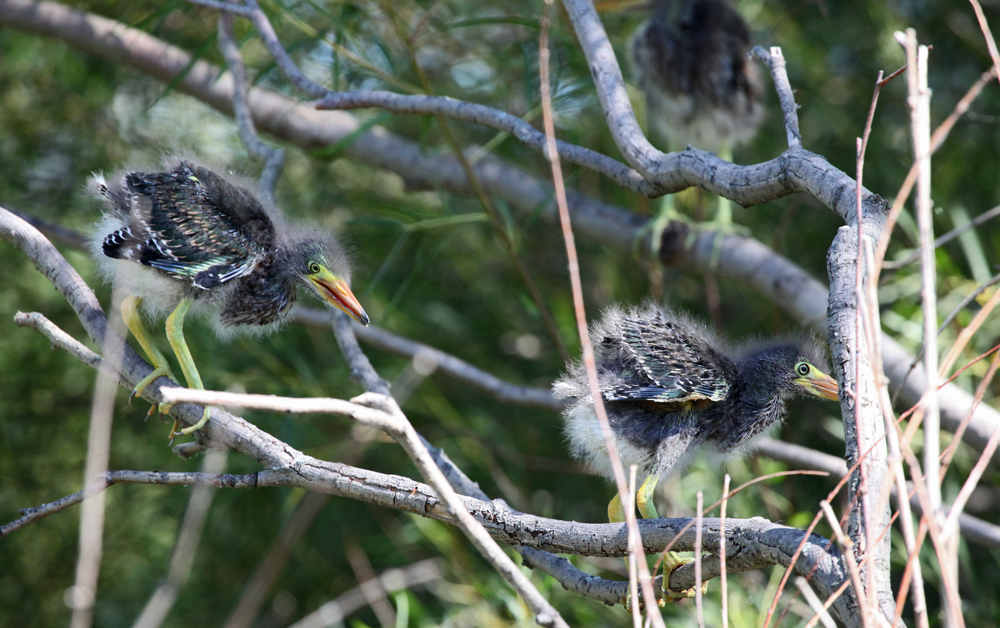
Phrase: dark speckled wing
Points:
(669, 363)
(192, 224)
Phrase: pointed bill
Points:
(337, 293)
(819, 384)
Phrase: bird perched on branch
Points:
(691, 60)
(187, 237)
(670, 388)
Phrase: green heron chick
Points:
(187, 238)
(691, 60)
(670, 388)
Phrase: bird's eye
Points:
(313, 268)
(802, 369)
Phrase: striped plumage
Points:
(217, 241)
(186, 237)
(671, 386)
(690, 59)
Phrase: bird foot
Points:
(159, 408)
(157, 372)
(174, 432)
(627, 602)
(672, 561)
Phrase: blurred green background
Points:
(429, 266)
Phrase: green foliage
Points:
(429, 266)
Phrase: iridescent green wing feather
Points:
(667, 362)
(196, 226)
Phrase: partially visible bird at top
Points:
(671, 387)
(690, 58)
(187, 237)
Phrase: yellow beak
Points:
(337, 293)
(819, 384)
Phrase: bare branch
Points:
(775, 60)
(493, 118)
(273, 158)
(336, 611)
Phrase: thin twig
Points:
(951, 524)
(946, 238)
(159, 604)
(581, 317)
(273, 158)
(852, 565)
(490, 117)
(937, 139)
(334, 612)
(722, 552)
(775, 61)
(699, 498)
(814, 603)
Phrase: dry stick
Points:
(967, 333)
(937, 139)
(581, 318)
(828, 603)
(912, 565)
(949, 452)
(446, 363)
(273, 158)
(991, 43)
(852, 565)
(736, 490)
(944, 325)
(334, 612)
(946, 238)
(489, 117)
(83, 594)
(814, 602)
(633, 566)
(371, 588)
(864, 306)
(895, 462)
(400, 428)
(775, 60)
(271, 564)
(951, 524)
(919, 101)
(919, 483)
(188, 537)
(697, 560)
(722, 551)
(798, 550)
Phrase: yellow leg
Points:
(644, 498)
(671, 560)
(175, 334)
(133, 320)
(616, 513)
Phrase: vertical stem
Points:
(83, 594)
(587, 348)
(697, 561)
(722, 552)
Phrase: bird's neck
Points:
(761, 398)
